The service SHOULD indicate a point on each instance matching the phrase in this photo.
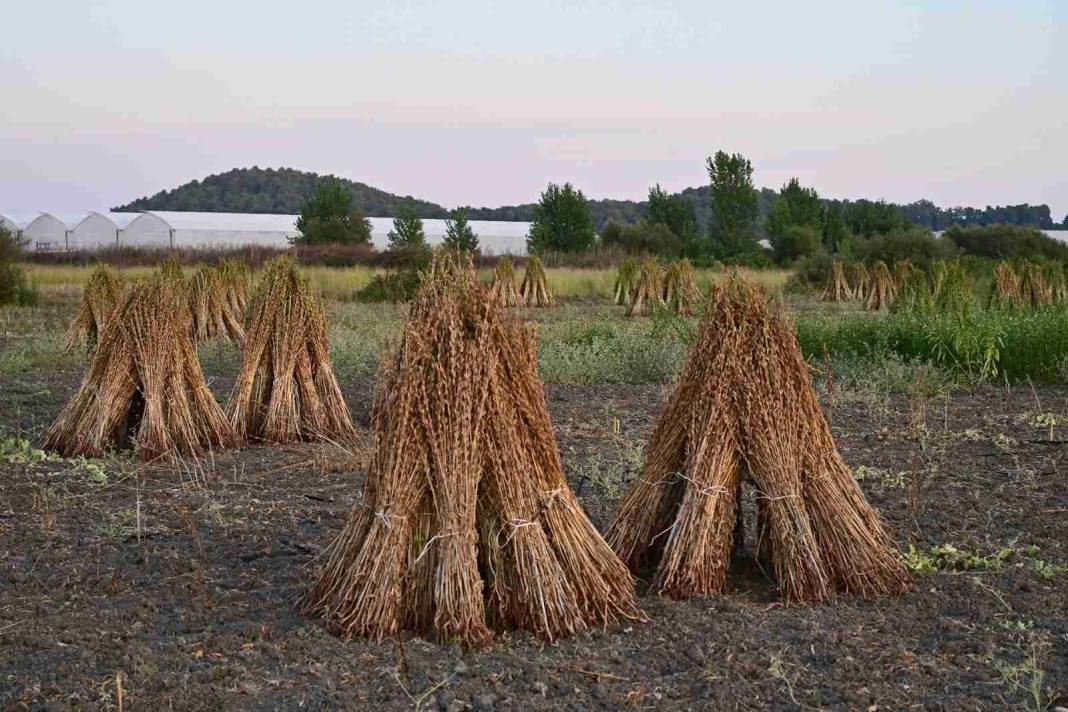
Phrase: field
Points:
(127, 586)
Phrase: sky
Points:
(483, 103)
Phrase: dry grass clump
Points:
(881, 287)
(1055, 283)
(103, 293)
(144, 385)
(1007, 285)
(286, 390)
(626, 281)
(534, 290)
(744, 411)
(214, 307)
(467, 524)
(503, 289)
(858, 280)
(648, 291)
(837, 288)
(680, 291)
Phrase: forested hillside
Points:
(272, 190)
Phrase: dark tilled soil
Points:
(175, 587)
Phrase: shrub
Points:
(918, 245)
(398, 286)
(642, 238)
(1007, 242)
(14, 289)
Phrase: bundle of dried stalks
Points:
(534, 290)
(286, 390)
(903, 269)
(214, 312)
(468, 525)
(744, 410)
(144, 385)
(837, 288)
(1007, 285)
(1058, 289)
(647, 292)
(858, 280)
(503, 289)
(680, 291)
(103, 293)
(626, 281)
(1033, 287)
(236, 282)
(881, 287)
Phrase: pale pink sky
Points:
(483, 103)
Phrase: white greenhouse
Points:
(94, 230)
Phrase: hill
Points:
(272, 190)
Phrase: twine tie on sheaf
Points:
(385, 517)
(434, 538)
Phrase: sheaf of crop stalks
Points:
(881, 287)
(858, 280)
(626, 281)
(237, 283)
(745, 411)
(103, 293)
(467, 525)
(679, 290)
(903, 269)
(214, 314)
(144, 385)
(286, 390)
(1007, 285)
(503, 288)
(837, 287)
(534, 290)
(1055, 283)
(1033, 286)
(648, 292)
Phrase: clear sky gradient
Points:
(482, 103)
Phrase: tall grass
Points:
(994, 344)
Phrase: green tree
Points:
(330, 217)
(562, 221)
(735, 205)
(674, 211)
(836, 236)
(794, 206)
(407, 231)
(458, 232)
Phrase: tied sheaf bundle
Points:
(745, 410)
(626, 281)
(144, 385)
(236, 285)
(858, 280)
(214, 306)
(837, 288)
(648, 292)
(286, 390)
(903, 269)
(503, 289)
(881, 287)
(103, 293)
(467, 524)
(1034, 288)
(1007, 285)
(680, 291)
(534, 290)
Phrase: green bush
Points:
(642, 238)
(1002, 242)
(917, 244)
(14, 288)
(398, 286)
